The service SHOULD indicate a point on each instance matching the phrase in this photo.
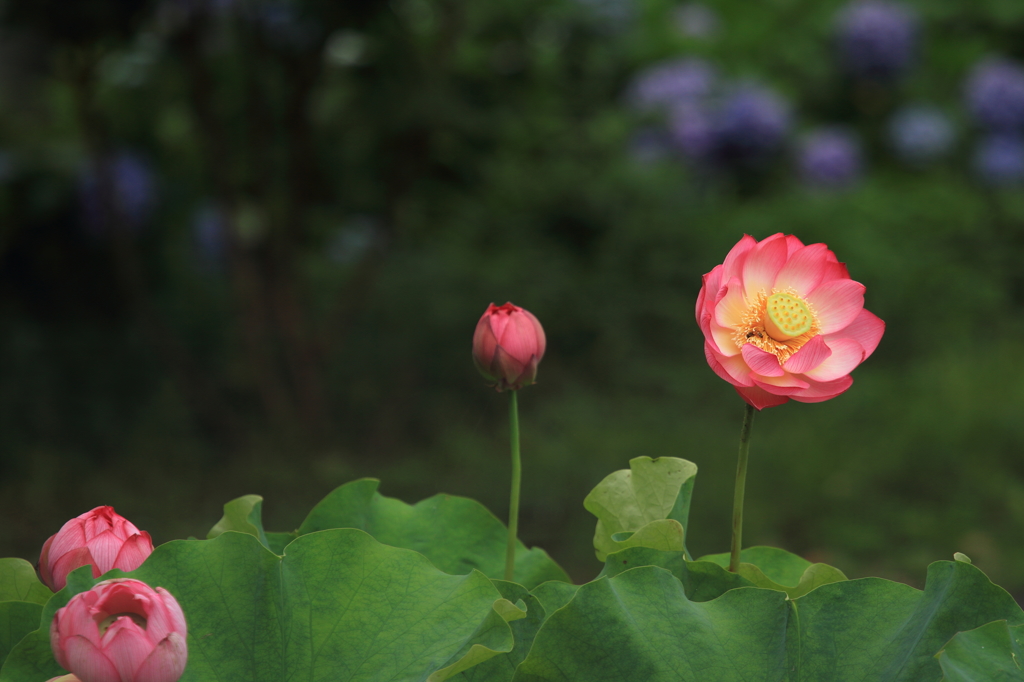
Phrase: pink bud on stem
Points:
(507, 346)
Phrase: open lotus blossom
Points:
(782, 320)
(100, 537)
(507, 346)
(121, 630)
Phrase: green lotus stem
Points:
(517, 474)
(741, 485)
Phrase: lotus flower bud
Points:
(121, 631)
(507, 346)
(102, 538)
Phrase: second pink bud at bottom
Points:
(121, 630)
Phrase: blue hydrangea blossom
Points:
(751, 123)
(999, 160)
(921, 134)
(665, 85)
(829, 158)
(995, 94)
(877, 40)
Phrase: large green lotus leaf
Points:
(457, 534)
(244, 515)
(278, 541)
(500, 668)
(777, 569)
(18, 582)
(17, 619)
(646, 505)
(702, 580)
(554, 594)
(32, 659)
(338, 606)
(639, 626)
(992, 653)
(495, 631)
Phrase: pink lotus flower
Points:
(121, 631)
(507, 346)
(782, 320)
(100, 537)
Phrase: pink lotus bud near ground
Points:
(121, 631)
(507, 346)
(782, 320)
(100, 537)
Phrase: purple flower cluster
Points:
(709, 122)
(995, 94)
(999, 159)
(728, 125)
(751, 124)
(829, 158)
(691, 130)
(876, 39)
(920, 134)
(666, 85)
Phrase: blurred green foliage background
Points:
(332, 193)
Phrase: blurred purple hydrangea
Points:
(876, 39)
(744, 126)
(829, 158)
(920, 134)
(995, 94)
(691, 130)
(695, 20)
(750, 124)
(999, 159)
(664, 85)
(134, 193)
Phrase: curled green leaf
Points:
(646, 505)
